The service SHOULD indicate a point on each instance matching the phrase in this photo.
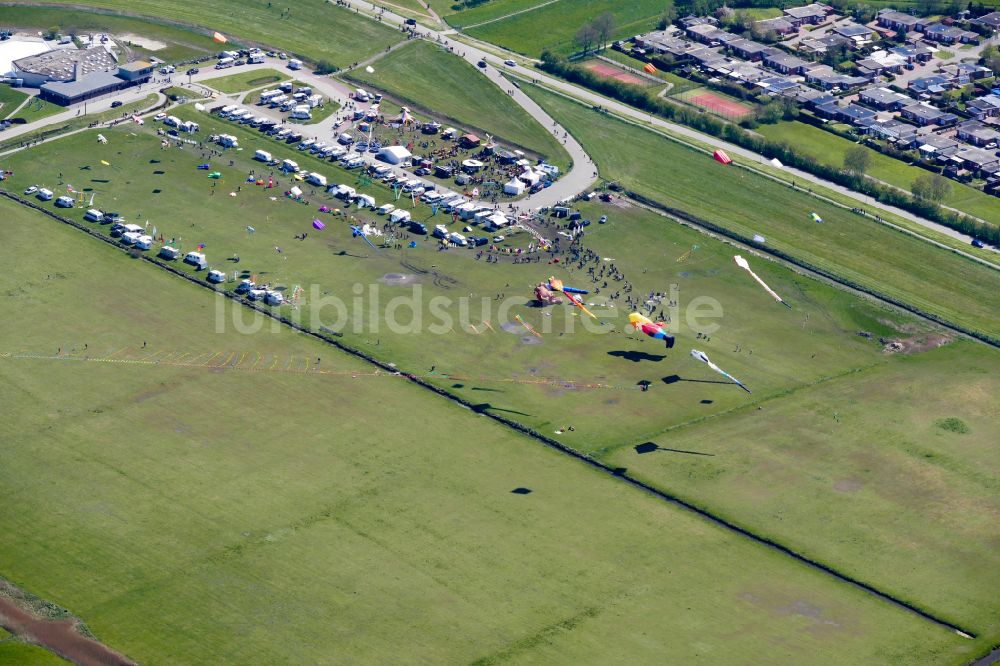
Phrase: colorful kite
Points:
(527, 326)
(557, 285)
(816, 218)
(219, 38)
(215, 175)
(703, 357)
(203, 167)
(105, 163)
(687, 255)
(356, 231)
(720, 156)
(742, 263)
(652, 329)
(318, 225)
(649, 68)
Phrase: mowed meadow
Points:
(198, 514)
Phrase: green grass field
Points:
(181, 44)
(305, 30)
(829, 149)
(561, 20)
(253, 522)
(10, 99)
(16, 653)
(859, 471)
(847, 244)
(38, 109)
(246, 80)
(425, 76)
(180, 91)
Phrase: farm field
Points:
(246, 80)
(305, 30)
(562, 19)
(852, 246)
(829, 149)
(268, 520)
(425, 76)
(177, 43)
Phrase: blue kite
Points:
(356, 231)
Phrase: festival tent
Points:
(720, 156)
(776, 162)
(515, 187)
(295, 192)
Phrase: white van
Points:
(144, 242)
(294, 64)
(457, 239)
(64, 202)
(226, 110)
(345, 139)
(172, 121)
(216, 276)
(262, 156)
(224, 63)
(93, 215)
(194, 258)
(289, 165)
(399, 216)
(44, 194)
(361, 95)
(169, 252)
(316, 179)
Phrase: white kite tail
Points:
(764, 284)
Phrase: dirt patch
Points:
(847, 485)
(916, 344)
(530, 340)
(145, 42)
(61, 636)
(511, 327)
(398, 279)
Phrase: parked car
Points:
(115, 104)
(160, 117)
(481, 64)
(192, 71)
(31, 190)
(498, 239)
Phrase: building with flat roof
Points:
(63, 65)
(86, 87)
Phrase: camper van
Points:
(307, 144)
(144, 242)
(44, 194)
(316, 179)
(277, 100)
(268, 95)
(64, 202)
(345, 139)
(196, 259)
(169, 252)
(224, 63)
(93, 215)
(190, 126)
(458, 239)
(399, 216)
(385, 209)
(361, 95)
(440, 231)
(355, 162)
(131, 237)
(274, 298)
(262, 156)
(289, 165)
(301, 112)
(215, 276)
(255, 58)
(226, 110)
(228, 141)
(294, 64)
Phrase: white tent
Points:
(295, 191)
(514, 187)
(529, 177)
(394, 154)
(776, 162)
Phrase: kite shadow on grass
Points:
(482, 407)
(673, 379)
(652, 447)
(637, 356)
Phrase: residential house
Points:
(748, 49)
(929, 86)
(890, 18)
(860, 35)
(984, 107)
(785, 63)
(925, 114)
(914, 53)
(691, 21)
(779, 25)
(779, 85)
(706, 33)
(706, 57)
(902, 134)
(825, 43)
(990, 21)
(827, 79)
(937, 147)
(975, 159)
(813, 14)
(948, 34)
(965, 72)
(851, 113)
(879, 63)
(978, 134)
(884, 99)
